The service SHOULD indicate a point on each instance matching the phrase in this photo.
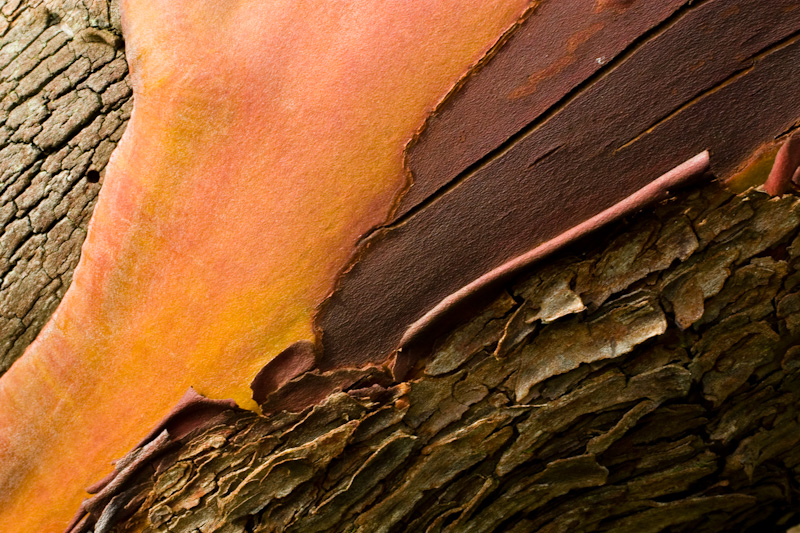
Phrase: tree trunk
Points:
(646, 380)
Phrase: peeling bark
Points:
(494, 175)
(64, 103)
(648, 382)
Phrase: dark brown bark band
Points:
(717, 75)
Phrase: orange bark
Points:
(265, 139)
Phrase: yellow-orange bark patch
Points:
(266, 138)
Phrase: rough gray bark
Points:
(649, 383)
(64, 103)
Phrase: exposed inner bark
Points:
(648, 382)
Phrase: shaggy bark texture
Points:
(64, 103)
(649, 382)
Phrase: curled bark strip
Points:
(786, 170)
(191, 412)
(290, 363)
(651, 193)
(109, 488)
(312, 387)
(145, 455)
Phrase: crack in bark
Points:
(571, 96)
(787, 41)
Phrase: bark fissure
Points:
(572, 95)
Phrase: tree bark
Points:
(64, 103)
(646, 383)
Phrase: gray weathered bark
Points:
(64, 103)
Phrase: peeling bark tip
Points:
(417, 334)
(785, 171)
(298, 358)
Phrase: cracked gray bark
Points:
(64, 103)
(649, 383)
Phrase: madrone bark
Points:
(644, 381)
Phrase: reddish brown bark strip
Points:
(113, 484)
(310, 388)
(287, 365)
(556, 52)
(723, 77)
(491, 281)
(191, 412)
(785, 170)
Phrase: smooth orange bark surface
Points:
(266, 138)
